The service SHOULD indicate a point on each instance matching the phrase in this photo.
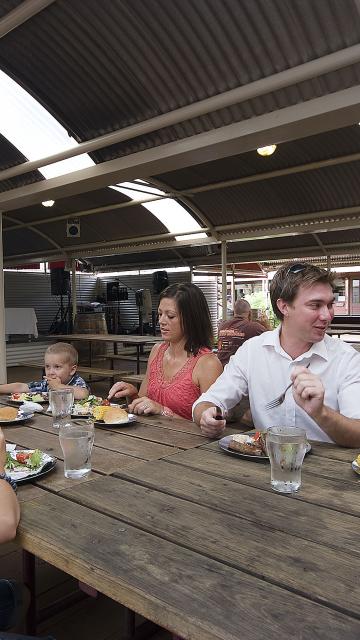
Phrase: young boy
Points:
(60, 372)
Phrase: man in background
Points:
(234, 332)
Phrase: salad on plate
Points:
(30, 396)
(24, 463)
(85, 407)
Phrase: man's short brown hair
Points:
(64, 349)
(293, 275)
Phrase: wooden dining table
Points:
(194, 539)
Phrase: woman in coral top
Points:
(182, 367)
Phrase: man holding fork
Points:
(324, 372)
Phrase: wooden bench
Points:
(89, 371)
(135, 378)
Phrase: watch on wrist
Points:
(167, 412)
(11, 482)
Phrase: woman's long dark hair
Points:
(194, 315)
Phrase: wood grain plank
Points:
(102, 460)
(210, 485)
(169, 584)
(178, 424)
(305, 567)
(159, 435)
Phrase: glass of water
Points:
(76, 440)
(60, 403)
(286, 448)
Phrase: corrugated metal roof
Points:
(9, 157)
(99, 67)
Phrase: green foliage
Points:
(258, 301)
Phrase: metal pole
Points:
(73, 292)
(3, 372)
(223, 279)
(328, 263)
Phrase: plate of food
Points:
(12, 415)
(250, 445)
(24, 465)
(112, 415)
(356, 465)
(29, 397)
(83, 408)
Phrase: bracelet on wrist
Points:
(10, 481)
(167, 412)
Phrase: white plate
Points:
(224, 445)
(29, 399)
(101, 423)
(355, 467)
(25, 475)
(20, 418)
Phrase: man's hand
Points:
(308, 391)
(209, 426)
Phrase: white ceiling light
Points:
(48, 203)
(266, 151)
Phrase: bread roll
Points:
(115, 415)
(8, 413)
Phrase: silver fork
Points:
(280, 399)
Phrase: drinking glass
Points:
(286, 448)
(76, 440)
(61, 402)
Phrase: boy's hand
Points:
(54, 383)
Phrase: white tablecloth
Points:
(21, 320)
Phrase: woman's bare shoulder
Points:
(155, 350)
(207, 360)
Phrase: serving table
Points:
(194, 539)
(21, 321)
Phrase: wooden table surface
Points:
(194, 539)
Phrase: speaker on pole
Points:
(160, 281)
(59, 281)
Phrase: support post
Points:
(3, 372)
(223, 278)
(73, 292)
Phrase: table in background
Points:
(136, 341)
(21, 321)
(195, 539)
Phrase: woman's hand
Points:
(122, 389)
(2, 451)
(145, 406)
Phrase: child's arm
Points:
(14, 387)
(80, 392)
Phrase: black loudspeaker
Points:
(59, 281)
(112, 291)
(139, 297)
(160, 281)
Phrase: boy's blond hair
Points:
(64, 349)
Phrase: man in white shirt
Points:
(325, 398)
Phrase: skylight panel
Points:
(168, 211)
(32, 130)
(37, 134)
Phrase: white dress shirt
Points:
(261, 369)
